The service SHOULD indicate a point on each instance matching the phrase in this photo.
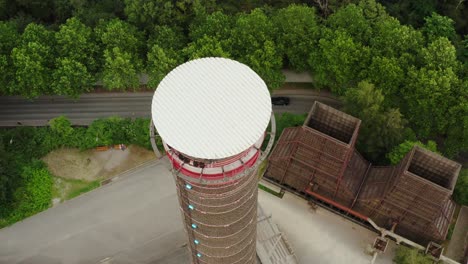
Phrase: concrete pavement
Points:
(459, 242)
(133, 220)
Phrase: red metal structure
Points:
(319, 159)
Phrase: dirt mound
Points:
(91, 165)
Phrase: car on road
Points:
(280, 100)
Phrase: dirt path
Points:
(91, 165)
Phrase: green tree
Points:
(160, 63)
(91, 12)
(120, 70)
(8, 37)
(216, 25)
(457, 129)
(61, 126)
(117, 33)
(433, 89)
(167, 37)
(37, 33)
(267, 63)
(122, 61)
(32, 61)
(351, 19)
(149, 13)
(286, 120)
(460, 194)
(298, 33)
(205, 47)
(212, 33)
(338, 61)
(387, 74)
(400, 151)
(71, 78)
(411, 12)
(8, 40)
(32, 74)
(146, 14)
(428, 99)
(6, 74)
(253, 44)
(392, 40)
(75, 41)
(36, 193)
(405, 255)
(436, 26)
(381, 128)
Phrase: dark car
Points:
(280, 100)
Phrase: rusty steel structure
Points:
(319, 159)
(212, 115)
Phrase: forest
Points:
(399, 66)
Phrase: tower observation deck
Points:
(212, 115)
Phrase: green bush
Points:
(86, 188)
(405, 255)
(460, 194)
(399, 152)
(36, 193)
(25, 183)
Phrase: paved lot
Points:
(320, 236)
(133, 220)
(459, 240)
(136, 220)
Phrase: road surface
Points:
(17, 111)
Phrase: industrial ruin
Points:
(319, 160)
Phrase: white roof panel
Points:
(211, 108)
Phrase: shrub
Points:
(36, 193)
(405, 255)
(460, 194)
(399, 152)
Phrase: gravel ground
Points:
(90, 165)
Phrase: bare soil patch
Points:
(91, 165)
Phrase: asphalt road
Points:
(132, 220)
(16, 111)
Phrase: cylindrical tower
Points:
(212, 115)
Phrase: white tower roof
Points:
(211, 108)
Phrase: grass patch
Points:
(65, 189)
(270, 191)
(261, 168)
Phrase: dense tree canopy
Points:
(418, 61)
(399, 152)
(160, 63)
(381, 128)
(298, 34)
(76, 41)
(338, 61)
(120, 70)
(253, 44)
(122, 44)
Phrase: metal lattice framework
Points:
(319, 159)
(212, 115)
(220, 211)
